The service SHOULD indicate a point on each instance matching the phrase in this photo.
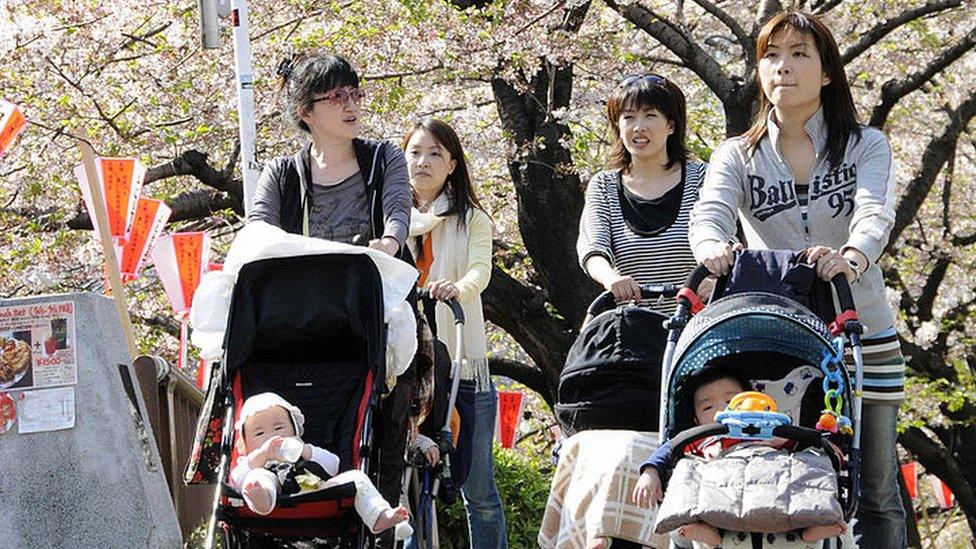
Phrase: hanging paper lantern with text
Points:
(12, 122)
(120, 180)
(147, 225)
(180, 260)
(943, 495)
(509, 413)
(909, 472)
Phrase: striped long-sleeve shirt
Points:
(664, 258)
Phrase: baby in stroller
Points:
(715, 391)
(275, 460)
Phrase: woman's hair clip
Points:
(285, 67)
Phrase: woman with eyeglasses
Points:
(634, 227)
(343, 188)
(337, 186)
(807, 175)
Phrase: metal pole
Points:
(245, 100)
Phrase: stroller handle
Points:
(844, 296)
(605, 301)
(843, 288)
(453, 303)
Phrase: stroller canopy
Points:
(612, 376)
(259, 241)
(768, 334)
(305, 309)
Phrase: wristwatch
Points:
(856, 268)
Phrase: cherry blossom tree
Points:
(524, 82)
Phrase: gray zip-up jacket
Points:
(850, 206)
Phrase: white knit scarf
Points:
(450, 249)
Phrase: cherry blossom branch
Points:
(676, 40)
(893, 90)
(877, 33)
(936, 154)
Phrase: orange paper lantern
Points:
(909, 471)
(12, 122)
(180, 260)
(147, 226)
(943, 495)
(509, 413)
(121, 183)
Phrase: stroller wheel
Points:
(237, 538)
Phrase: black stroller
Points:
(311, 329)
(613, 368)
(767, 317)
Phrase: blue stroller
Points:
(768, 318)
(423, 484)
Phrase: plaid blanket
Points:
(590, 494)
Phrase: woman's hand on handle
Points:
(716, 256)
(623, 288)
(433, 455)
(830, 263)
(442, 290)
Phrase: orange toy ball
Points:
(827, 422)
(752, 401)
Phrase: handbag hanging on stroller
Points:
(613, 368)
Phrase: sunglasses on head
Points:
(651, 78)
(339, 96)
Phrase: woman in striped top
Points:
(634, 228)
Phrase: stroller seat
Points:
(309, 328)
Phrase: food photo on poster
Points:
(36, 346)
(15, 359)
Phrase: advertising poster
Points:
(37, 346)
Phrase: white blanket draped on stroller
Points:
(259, 240)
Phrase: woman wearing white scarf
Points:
(450, 235)
(460, 267)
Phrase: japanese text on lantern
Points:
(117, 175)
(150, 218)
(189, 250)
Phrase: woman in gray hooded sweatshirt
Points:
(808, 176)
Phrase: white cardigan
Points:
(463, 256)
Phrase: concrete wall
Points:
(97, 485)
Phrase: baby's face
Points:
(275, 421)
(711, 398)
